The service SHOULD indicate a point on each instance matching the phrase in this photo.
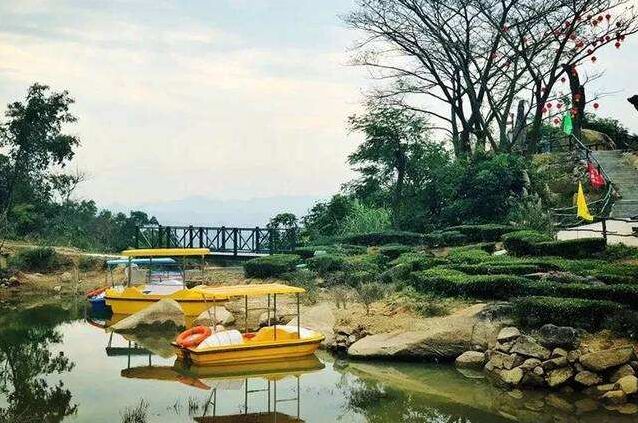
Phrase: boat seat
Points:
(284, 332)
(161, 289)
(223, 338)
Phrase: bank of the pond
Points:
(60, 366)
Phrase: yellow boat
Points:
(125, 300)
(269, 343)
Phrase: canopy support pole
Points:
(246, 314)
(130, 270)
(298, 318)
(275, 315)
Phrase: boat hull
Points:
(129, 306)
(131, 300)
(248, 353)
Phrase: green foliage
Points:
(469, 256)
(326, 263)
(522, 242)
(384, 238)
(614, 129)
(483, 233)
(620, 252)
(325, 218)
(420, 260)
(532, 243)
(588, 314)
(364, 219)
(393, 251)
(444, 238)
(531, 214)
(271, 266)
(494, 287)
(497, 269)
(41, 260)
(283, 221)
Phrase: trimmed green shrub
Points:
(498, 287)
(582, 313)
(469, 256)
(445, 238)
(483, 233)
(622, 294)
(521, 243)
(384, 238)
(392, 252)
(570, 248)
(326, 263)
(497, 269)
(309, 251)
(418, 260)
(364, 262)
(488, 247)
(271, 266)
(41, 260)
(398, 273)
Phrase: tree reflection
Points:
(25, 362)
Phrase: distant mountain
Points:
(204, 211)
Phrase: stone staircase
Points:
(624, 177)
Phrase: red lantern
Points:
(556, 121)
(549, 106)
(617, 44)
(594, 23)
(559, 105)
(562, 80)
(576, 97)
(600, 18)
(618, 24)
(608, 16)
(607, 38)
(544, 110)
(593, 59)
(572, 37)
(596, 106)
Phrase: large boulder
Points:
(552, 336)
(527, 346)
(508, 334)
(470, 360)
(163, 314)
(587, 378)
(207, 318)
(606, 359)
(320, 317)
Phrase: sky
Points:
(226, 99)
(223, 99)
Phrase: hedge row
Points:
(384, 238)
(483, 233)
(271, 266)
(588, 314)
(497, 269)
(309, 251)
(531, 243)
(328, 263)
(41, 260)
(503, 287)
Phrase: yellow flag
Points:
(583, 211)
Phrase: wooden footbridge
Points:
(221, 241)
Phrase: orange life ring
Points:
(95, 292)
(193, 337)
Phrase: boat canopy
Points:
(256, 290)
(142, 262)
(170, 252)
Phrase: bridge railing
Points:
(236, 241)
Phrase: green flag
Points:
(568, 127)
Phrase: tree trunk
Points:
(519, 133)
(578, 100)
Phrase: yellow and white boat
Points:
(274, 342)
(129, 299)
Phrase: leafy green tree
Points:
(325, 218)
(33, 139)
(283, 221)
(392, 137)
(614, 129)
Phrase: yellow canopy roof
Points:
(166, 252)
(254, 290)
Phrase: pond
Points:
(58, 366)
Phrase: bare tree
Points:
(479, 58)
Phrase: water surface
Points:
(58, 366)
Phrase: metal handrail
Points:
(605, 201)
